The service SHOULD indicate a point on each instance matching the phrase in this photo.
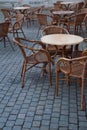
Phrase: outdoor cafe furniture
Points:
(68, 4)
(31, 15)
(44, 20)
(61, 40)
(16, 27)
(63, 12)
(80, 5)
(61, 15)
(4, 27)
(56, 50)
(21, 8)
(34, 56)
(84, 10)
(75, 68)
(76, 22)
(57, 6)
(7, 14)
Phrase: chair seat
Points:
(36, 58)
(75, 70)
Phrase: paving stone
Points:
(36, 123)
(7, 128)
(17, 128)
(34, 128)
(21, 116)
(10, 123)
(19, 122)
(12, 117)
(1, 125)
(27, 125)
(29, 119)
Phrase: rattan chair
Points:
(80, 6)
(16, 27)
(4, 33)
(34, 56)
(57, 6)
(44, 20)
(75, 22)
(57, 50)
(7, 14)
(31, 15)
(84, 10)
(76, 68)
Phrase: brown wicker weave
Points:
(33, 55)
(7, 14)
(4, 33)
(31, 15)
(76, 22)
(43, 21)
(75, 67)
(16, 27)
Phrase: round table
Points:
(61, 15)
(61, 39)
(21, 8)
(62, 12)
(68, 3)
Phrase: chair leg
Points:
(22, 69)
(49, 74)
(56, 83)
(67, 79)
(4, 42)
(23, 33)
(38, 31)
(23, 74)
(82, 96)
(81, 29)
(10, 43)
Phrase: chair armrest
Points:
(67, 62)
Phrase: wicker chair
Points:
(31, 15)
(76, 22)
(57, 7)
(16, 27)
(44, 20)
(75, 67)
(7, 14)
(57, 50)
(80, 6)
(26, 10)
(34, 56)
(84, 10)
(4, 33)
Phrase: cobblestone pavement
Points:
(36, 107)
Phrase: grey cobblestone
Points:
(36, 107)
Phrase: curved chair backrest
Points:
(6, 13)
(19, 18)
(80, 5)
(79, 18)
(42, 19)
(4, 29)
(54, 29)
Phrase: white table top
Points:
(63, 12)
(69, 2)
(61, 39)
(21, 8)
